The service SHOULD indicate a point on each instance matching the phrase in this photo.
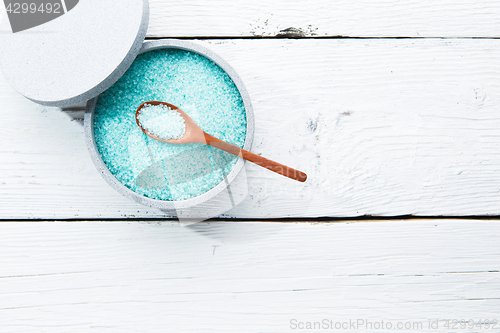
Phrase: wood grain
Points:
(244, 277)
(323, 18)
(381, 127)
(357, 18)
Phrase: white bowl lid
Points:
(77, 55)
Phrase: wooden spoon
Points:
(194, 133)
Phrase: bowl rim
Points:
(179, 204)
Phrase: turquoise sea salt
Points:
(161, 170)
(162, 121)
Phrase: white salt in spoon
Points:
(194, 134)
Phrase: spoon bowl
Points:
(194, 134)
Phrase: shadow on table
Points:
(236, 232)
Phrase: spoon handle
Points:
(259, 160)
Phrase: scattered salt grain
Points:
(162, 121)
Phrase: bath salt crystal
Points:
(162, 121)
(161, 170)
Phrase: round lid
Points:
(77, 53)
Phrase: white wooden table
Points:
(384, 126)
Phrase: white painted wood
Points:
(369, 18)
(244, 277)
(382, 127)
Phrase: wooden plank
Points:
(245, 277)
(365, 18)
(368, 18)
(382, 127)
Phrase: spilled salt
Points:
(162, 121)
